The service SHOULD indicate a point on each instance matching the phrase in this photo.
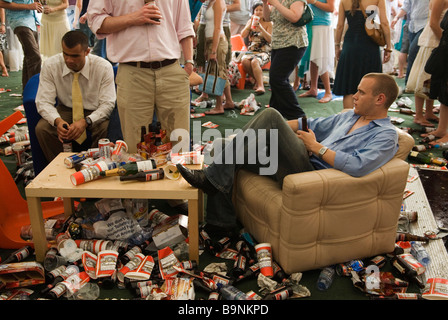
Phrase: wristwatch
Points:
(322, 152)
(89, 122)
(189, 61)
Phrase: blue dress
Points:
(360, 55)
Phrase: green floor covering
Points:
(342, 288)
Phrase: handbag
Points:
(212, 84)
(307, 17)
(374, 30)
(436, 64)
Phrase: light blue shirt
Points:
(321, 17)
(417, 14)
(22, 18)
(359, 152)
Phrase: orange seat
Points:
(13, 208)
(239, 45)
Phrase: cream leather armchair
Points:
(325, 217)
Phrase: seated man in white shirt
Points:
(97, 88)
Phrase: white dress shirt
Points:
(97, 87)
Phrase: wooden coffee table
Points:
(54, 181)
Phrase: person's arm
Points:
(218, 9)
(145, 15)
(434, 21)
(245, 32)
(339, 30)
(400, 15)
(235, 6)
(266, 33)
(384, 21)
(328, 6)
(187, 49)
(266, 10)
(62, 6)
(21, 6)
(293, 13)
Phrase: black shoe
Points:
(197, 179)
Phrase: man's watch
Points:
(89, 122)
(322, 152)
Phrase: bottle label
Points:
(145, 165)
(106, 263)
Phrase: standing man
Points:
(96, 97)
(22, 18)
(147, 41)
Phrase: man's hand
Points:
(188, 67)
(147, 15)
(308, 138)
(62, 128)
(74, 130)
(36, 6)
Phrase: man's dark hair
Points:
(74, 37)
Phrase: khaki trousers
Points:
(48, 137)
(143, 91)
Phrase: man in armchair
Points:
(356, 142)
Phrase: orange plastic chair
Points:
(238, 44)
(13, 208)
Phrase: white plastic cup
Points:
(255, 22)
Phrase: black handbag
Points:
(437, 64)
(307, 17)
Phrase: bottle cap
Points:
(77, 178)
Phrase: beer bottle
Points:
(409, 271)
(229, 292)
(130, 254)
(19, 255)
(279, 275)
(281, 293)
(57, 292)
(142, 134)
(404, 236)
(66, 144)
(428, 138)
(221, 244)
(425, 159)
(238, 267)
(69, 271)
(158, 133)
(50, 276)
(130, 168)
(251, 272)
(150, 175)
(207, 241)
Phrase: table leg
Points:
(37, 225)
(193, 229)
(68, 206)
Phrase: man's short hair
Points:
(385, 84)
(74, 37)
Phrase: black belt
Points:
(151, 65)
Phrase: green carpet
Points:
(342, 288)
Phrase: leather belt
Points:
(152, 65)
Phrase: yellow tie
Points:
(78, 109)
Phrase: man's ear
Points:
(87, 51)
(381, 98)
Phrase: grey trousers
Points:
(275, 141)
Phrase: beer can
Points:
(105, 149)
(120, 146)
(411, 215)
(74, 159)
(19, 152)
